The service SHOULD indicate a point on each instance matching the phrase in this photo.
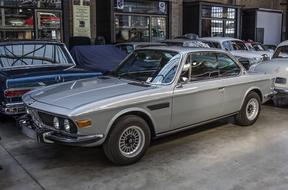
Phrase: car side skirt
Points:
(193, 126)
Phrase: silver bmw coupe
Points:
(155, 91)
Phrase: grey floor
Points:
(219, 156)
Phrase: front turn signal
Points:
(84, 123)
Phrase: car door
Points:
(200, 99)
(234, 83)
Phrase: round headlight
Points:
(67, 126)
(56, 123)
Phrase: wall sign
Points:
(120, 4)
(162, 7)
(81, 18)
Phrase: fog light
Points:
(67, 126)
(56, 123)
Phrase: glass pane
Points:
(226, 66)
(16, 23)
(217, 28)
(32, 54)
(154, 7)
(49, 25)
(159, 28)
(231, 13)
(132, 28)
(230, 28)
(204, 66)
(217, 12)
(32, 3)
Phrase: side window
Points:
(204, 66)
(227, 45)
(227, 66)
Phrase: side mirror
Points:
(265, 57)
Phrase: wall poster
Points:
(81, 18)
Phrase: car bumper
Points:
(12, 109)
(47, 135)
(282, 91)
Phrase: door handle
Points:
(221, 89)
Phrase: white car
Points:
(278, 66)
(237, 48)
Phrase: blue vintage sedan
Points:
(26, 65)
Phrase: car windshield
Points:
(258, 47)
(150, 66)
(234, 45)
(281, 52)
(23, 55)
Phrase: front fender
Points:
(126, 111)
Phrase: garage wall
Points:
(272, 24)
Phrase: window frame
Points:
(216, 78)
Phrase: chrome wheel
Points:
(131, 141)
(252, 109)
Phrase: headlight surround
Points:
(56, 123)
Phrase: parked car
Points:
(26, 65)
(256, 46)
(189, 36)
(277, 66)
(182, 42)
(270, 47)
(46, 19)
(129, 47)
(156, 91)
(237, 48)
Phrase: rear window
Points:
(21, 55)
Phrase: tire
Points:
(127, 141)
(250, 110)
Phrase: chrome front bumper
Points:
(47, 135)
(12, 109)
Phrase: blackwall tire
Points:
(250, 110)
(128, 140)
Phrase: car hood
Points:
(43, 76)
(273, 66)
(72, 95)
(250, 54)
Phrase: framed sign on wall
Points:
(81, 18)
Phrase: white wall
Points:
(271, 22)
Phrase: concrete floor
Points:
(219, 156)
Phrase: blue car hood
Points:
(36, 77)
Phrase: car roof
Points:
(16, 42)
(219, 39)
(183, 50)
(140, 43)
(284, 43)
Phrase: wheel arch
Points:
(134, 111)
(253, 89)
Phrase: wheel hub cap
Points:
(131, 141)
(252, 109)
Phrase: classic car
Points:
(26, 65)
(46, 19)
(185, 43)
(156, 91)
(129, 47)
(237, 48)
(277, 66)
(269, 47)
(257, 46)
